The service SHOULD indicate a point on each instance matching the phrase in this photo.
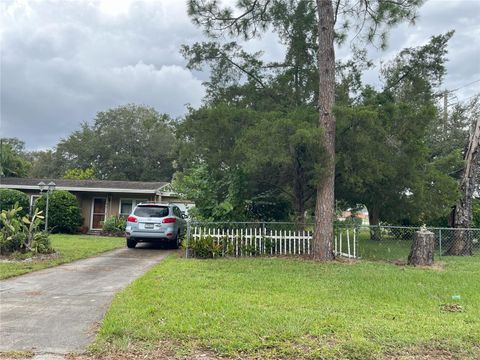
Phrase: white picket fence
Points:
(345, 243)
(254, 241)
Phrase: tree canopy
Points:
(13, 160)
(129, 142)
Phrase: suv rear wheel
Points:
(175, 242)
(131, 243)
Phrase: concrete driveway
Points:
(57, 310)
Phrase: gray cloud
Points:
(63, 61)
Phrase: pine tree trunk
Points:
(462, 214)
(324, 208)
(422, 248)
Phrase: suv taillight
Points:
(169, 220)
(132, 218)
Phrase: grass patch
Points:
(68, 248)
(287, 308)
(16, 355)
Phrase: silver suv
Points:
(151, 222)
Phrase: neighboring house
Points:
(100, 199)
(362, 214)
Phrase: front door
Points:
(98, 212)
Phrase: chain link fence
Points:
(394, 242)
(207, 239)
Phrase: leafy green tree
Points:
(13, 161)
(130, 142)
(285, 145)
(383, 157)
(64, 214)
(209, 168)
(250, 18)
(80, 174)
(46, 164)
(238, 150)
(215, 197)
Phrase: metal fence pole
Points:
(440, 242)
(189, 231)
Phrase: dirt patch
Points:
(36, 258)
(11, 355)
(344, 260)
(438, 265)
(150, 355)
(451, 308)
(426, 353)
(34, 293)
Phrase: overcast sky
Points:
(63, 61)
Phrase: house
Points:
(360, 214)
(100, 199)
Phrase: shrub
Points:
(64, 215)
(10, 197)
(12, 237)
(41, 243)
(20, 233)
(114, 225)
(206, 247)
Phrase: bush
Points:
(114, 225)
(206, 248)
(64, 214)
(21, 234)
(12, 237)
(10, 197)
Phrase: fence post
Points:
(440, 242)
(189, 231)
(354, 242)
(348, 241)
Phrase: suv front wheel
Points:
(131, 243)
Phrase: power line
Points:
(463, 100)
(442, 93)
(463, 86)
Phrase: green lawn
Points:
(286, 308)
(69, 248)
(386, 249)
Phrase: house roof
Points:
(137, 187)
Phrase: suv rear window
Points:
(151, 211)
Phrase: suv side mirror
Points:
(184, 216)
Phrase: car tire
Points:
(175, 242)
(131, 243)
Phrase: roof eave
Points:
(82, 189)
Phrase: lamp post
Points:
(50, 187)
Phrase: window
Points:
(151, 211)
(127, 205)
